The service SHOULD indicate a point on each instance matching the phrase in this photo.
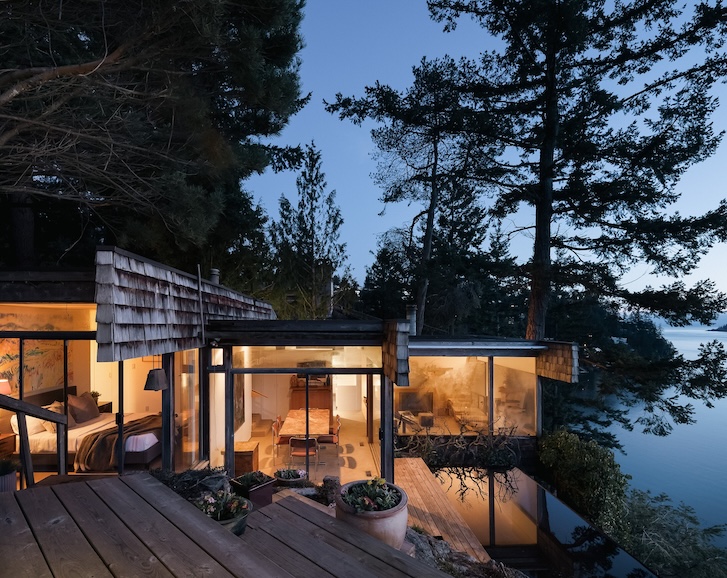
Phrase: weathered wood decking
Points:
(134, 526)
(429, 508)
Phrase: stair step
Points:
(262, 428)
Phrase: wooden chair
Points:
(300, 447)
(276, 439)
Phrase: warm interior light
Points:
(5, 387)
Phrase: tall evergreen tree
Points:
(426, 144)
(603, 106)
(307, 248)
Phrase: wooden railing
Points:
(23, 409)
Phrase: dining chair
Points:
(334, 436)
(300, 447)
(276, 439)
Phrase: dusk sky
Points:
(349, 45)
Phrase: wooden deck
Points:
(429, 508)
(133, 526)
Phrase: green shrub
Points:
(587, 477)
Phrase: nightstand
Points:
(7, 445)
(104, 406)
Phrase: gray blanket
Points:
(97, 451)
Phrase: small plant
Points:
(249, 480)
(8, 466)
(375, 495)
(222, 504)
(290, 474)
(95, 395)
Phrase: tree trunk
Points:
(541, 275)
(428, 240)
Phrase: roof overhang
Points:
(474, 347)
(330, 333)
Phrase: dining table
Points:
(319, 423)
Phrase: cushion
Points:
(34, 424)
(57, 406)
(82, 407)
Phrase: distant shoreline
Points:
(720, 328)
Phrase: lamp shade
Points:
(156, 380)
(5, 387)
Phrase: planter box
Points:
(260, 495)
(8, 482)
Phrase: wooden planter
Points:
(8, 482)
(260, 495)
(389, 526)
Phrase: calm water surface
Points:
(690, 465)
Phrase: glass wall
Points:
(187, 409)
(447, 394)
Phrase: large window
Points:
(448, 393)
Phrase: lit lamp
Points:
(5, 387)
(156, 380)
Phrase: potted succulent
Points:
(256, 486)
(8, 477)
(95, 395)
(290, 477)
(209, 490)
(376, 507)
(227, 508)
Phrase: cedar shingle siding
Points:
(144, 308)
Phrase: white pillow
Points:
(57, 406)
(34, 424)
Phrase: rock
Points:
(437, 554)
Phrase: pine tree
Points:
(306, 244)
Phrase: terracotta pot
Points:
(389, 526)
(8, 482)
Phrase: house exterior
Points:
(223, 353)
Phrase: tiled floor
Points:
(353, 459)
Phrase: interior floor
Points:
(353, 459)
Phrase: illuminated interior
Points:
(448, 393)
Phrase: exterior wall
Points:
(144, 308)
(559, 362)
(396, 352)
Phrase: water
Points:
(689, 465)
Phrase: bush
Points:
(587, 477)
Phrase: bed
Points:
(469, 409)
(141, 448)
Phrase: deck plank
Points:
(441, 519)
(124, 554)
(66, 550)
(295, 534)
(225, 548)
(386, 560)
(177, 552)
(297, 564)
(19, 551)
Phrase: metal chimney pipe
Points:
(411, 315)
(215, 276)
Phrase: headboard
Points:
(39, 399)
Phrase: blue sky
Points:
(353, 43)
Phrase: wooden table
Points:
(319, 423)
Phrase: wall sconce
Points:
(5, 387)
